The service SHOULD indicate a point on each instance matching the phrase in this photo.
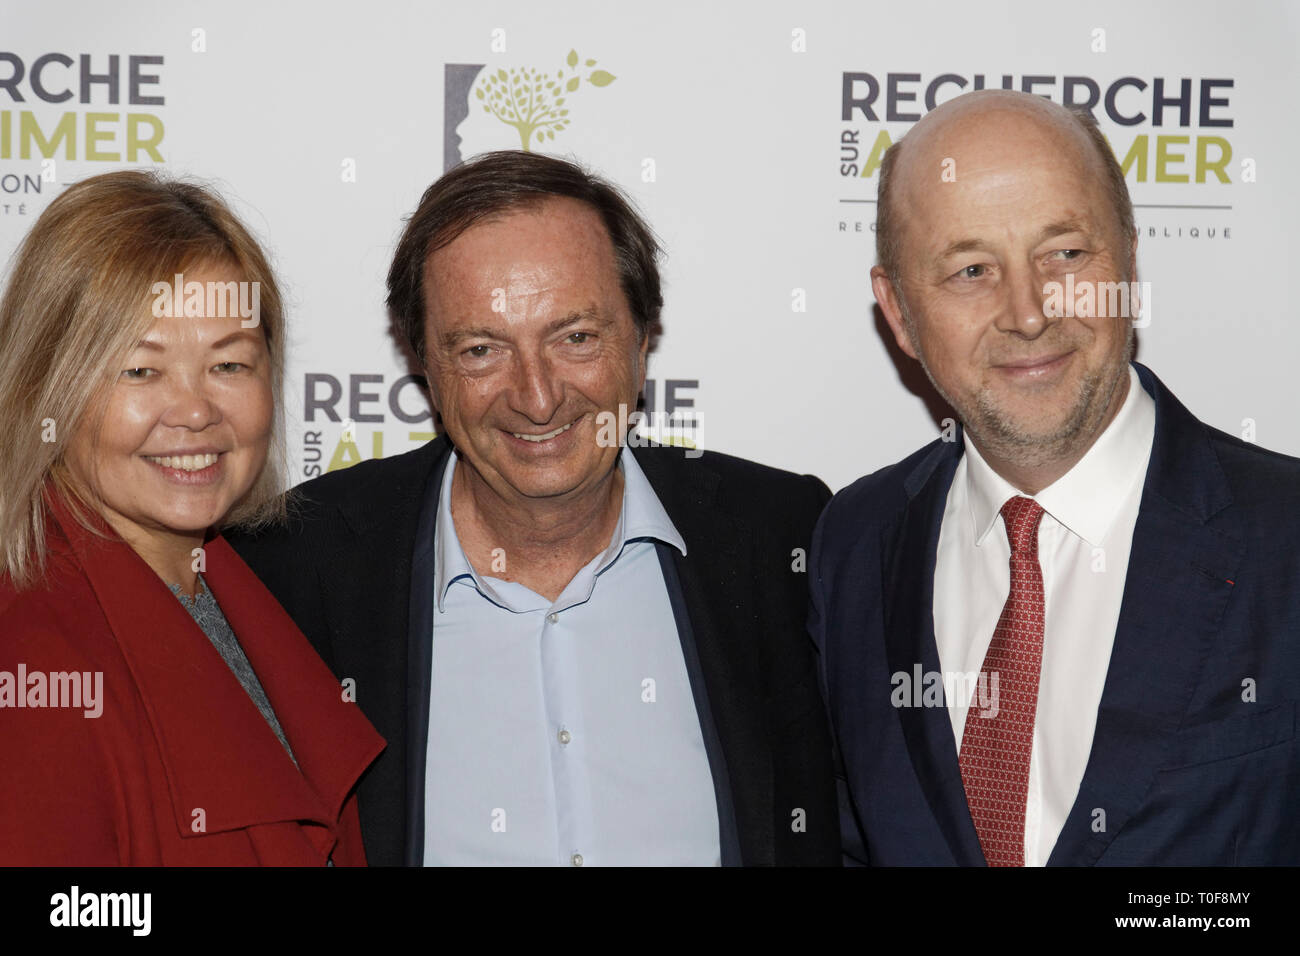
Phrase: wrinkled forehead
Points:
(523, 270)
(519, 236)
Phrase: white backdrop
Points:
(323, 123)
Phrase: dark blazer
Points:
(343, 569)
(179, 768)
(1194, 759)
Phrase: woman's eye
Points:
(136, 374)
(229, 366)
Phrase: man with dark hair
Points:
(1072, 635)
(582, 651)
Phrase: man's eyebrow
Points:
(1051, 230)
(958, 247)
(1060, 228)
(589, 314)
(449, 340)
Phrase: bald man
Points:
(1069, 633)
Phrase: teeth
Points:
(545, 437)
(185, 462)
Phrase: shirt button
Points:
(552, 618)
(564, 736)
(576, 859)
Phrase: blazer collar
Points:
(391, 491)
(380, 629)
(913, 541)
(1181, 571)
(688, 487)
(218, 753)
(718, 576)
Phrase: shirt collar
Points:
(1087, 498)
(641, 517)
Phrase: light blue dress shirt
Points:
(565, 733)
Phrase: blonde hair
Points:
(76, 304)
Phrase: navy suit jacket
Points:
(348, 571)
(1194, 758)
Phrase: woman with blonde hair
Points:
(157, 706)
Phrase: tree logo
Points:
(533, 102)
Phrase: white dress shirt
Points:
(565, 732)
(1083, 548)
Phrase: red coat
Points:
(180, 768)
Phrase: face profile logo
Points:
(535, 103)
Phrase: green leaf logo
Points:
(530, 100)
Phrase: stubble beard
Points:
(1001, 435)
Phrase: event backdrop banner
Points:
(749, 133)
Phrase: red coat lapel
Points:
(219, 754)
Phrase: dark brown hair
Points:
(502, 181)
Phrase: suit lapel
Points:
(1177, 587)
(369, 611)
(419, 672)
(714, 578)
(671, 562)
(911, 649)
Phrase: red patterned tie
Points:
(997, 741)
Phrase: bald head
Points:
(990, 207)
(980, 130)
